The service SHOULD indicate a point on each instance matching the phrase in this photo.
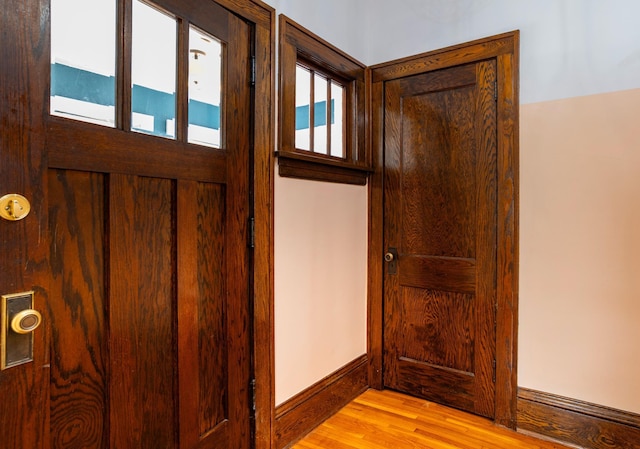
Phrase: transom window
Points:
(322, 108)
(86, 70)
(326, 136)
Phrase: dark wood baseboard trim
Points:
(577, 422)
(310, 408)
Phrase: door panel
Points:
(79, 373)
(440, 212)
(140, 311)
(114, 352)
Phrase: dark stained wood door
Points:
(140, 264)
(440, 216)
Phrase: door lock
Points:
(19, 320)
(26, 321)
(14, 207)
(392, 260)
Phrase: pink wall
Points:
(320, 280)
(580, 248)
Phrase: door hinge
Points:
(252, 233)
(253, 70)
(494, 371)
(253, 394)
(495, 90)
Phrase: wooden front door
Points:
(137, 250)
(440, 235)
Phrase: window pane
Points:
(303, 99)
(153, 71)
(83, 61)
(337, 123)
(205, 86)
(320, 115)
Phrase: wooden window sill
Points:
(318, 168)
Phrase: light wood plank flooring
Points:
(386, 419)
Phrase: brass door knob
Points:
(389, 257)
(26, 321)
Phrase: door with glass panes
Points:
(142, 270)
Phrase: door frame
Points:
(504, 48)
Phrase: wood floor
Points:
(386, 419)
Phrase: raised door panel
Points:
(139, 305)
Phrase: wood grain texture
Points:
(310, 168)
(187, 294)
(202, 324)
(375, 247)
(237, 254)
(438, 179)
(490, 47)
(440, 156)
(577, 422)
(262, 279)
(438, 329)
(504, 49)
(453, 274)
(386, 419)
(300, 414)
(79, 374)
(508, 233)
(212, 326)
(24, 44)
(80, 146)
(141, 312)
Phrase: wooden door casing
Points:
(440, 209)
(504, 50)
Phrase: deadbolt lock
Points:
(14, 207)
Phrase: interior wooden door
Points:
(440, 232)
(143, 264)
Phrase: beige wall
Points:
(320, 280)
(580, 248)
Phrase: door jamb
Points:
(505, 49)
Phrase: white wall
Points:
(340, 22)
(580, 181)
(568, 47)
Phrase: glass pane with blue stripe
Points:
(83, 60)
(303, 97)
(205, 87)
(153, 71)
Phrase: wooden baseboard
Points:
(310, 408)
(577, 422)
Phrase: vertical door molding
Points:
(263, 162)
(504, 49)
